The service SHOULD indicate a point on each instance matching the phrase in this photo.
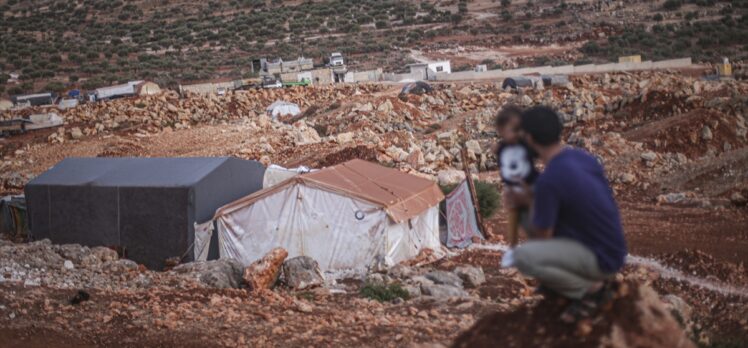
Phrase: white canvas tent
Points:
(350, 216)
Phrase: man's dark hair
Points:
(542, 124)
(507, 113)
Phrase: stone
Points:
(415, 159)
(386, 107)
(376, 279)
(305, 136)
(303, 306)
(119, 266)
(68, 265)
(738, 199)
(680, 309)
(263, 273)
(450, 176)
(222, 273)
(471, 276)
(400, 271)
(672, 198)
(445, 278)
(76, 133)
(413, 290)
(649, 156)
(443, 290)
(474, 147)
(396, 153)
(302, 272)
(706, 133)
(343, 138)
(627, 178)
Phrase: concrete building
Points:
(212, 87)
(280, 66)
(428, 71)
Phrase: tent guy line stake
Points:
(664, 271)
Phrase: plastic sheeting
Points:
(203, 234)
(282, 108)
(275, 174)
(39, 121)
(338, 231)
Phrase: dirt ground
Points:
(212, 317)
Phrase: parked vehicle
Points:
(271, 82)
(300, 83)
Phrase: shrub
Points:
(672, 5)
(55, 86)
(384, 293)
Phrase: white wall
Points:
(445, 66)
(565, 69)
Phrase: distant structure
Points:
(280, 66)
(630, 59)
(724, 69)
(38, 99)
(428, 71)
(129, 89)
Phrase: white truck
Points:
(336, 59)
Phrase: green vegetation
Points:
(384, 293)
(703, 41)
(114, 40)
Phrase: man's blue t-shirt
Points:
(573, 197)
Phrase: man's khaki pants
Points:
(560, 264)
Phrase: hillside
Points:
(56, 45)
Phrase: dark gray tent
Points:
(146, 206)
(517, 82)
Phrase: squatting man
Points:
(575, 239)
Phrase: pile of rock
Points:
(421, 281)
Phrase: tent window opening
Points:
(439, 68)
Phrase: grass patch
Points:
(384, 293)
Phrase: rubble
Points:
(661, 136)
(302, 272)
(263, 273)
(222, 274)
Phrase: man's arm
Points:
(544, 211)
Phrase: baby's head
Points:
(508, 123)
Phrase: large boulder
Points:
(302, 272)
(223, 273)
(635, 318)
(471, 276)
(263, 273)
(444, 278)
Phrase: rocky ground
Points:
(674, 148)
